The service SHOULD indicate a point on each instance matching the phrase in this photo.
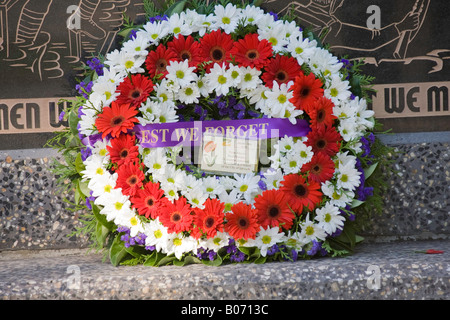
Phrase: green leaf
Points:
(177, 7)
(260, 260)
(101, 233)
(83, 185)
(102, 218)
(356, 203)
(214, 263)
(79, 165)
(73, 122)
(153, 259)
(117, 252)
(368, 171)
(166, 260)
(191, 260)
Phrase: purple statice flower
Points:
(84, 88)
(262, 185)
(274, 15)
(273, 249)
(96, 65)
(316, 248)
(157, 18)
(294, 255)
(85, 153)
(133, 34)
(61, 116)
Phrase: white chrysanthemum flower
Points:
(266, 21)
(252, 14)
(292, 113)
(229, 199)
(250, 79)
(196, 197)
(123, 61)
(226, 18)
(247, 185)
(103, 93)
(322, 61)
(291, 30)
(131, 220)
(235, 75)
(180, 73)
(163, 91)
(178, 244)
(108, 195)
(296, 240)
(312, 231)
(86, 125)
(291, 163)
(165, 113)
(278, 99)
(329, 218)
(156, 161)
(301, 49)
(275, 36)
(344, 110)
(203, 87)
(100, 149)
(348, 128)
(119, 206)
(138, 45)
(364, 116)
(272, 178)
(217, 242)
(337, 90)
(102, 184)
(157, 235)
(218, 79)
(347, 176)
(94, 166)
(227, 182)
(285, 144)
(189, 94)
(156, 31)
(266, 238)
(338, 197)
(190, 183)
(172, 175)
(212, 186)
(177, 25)
(344, 158)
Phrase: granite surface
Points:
(33, 214)
(384, 271)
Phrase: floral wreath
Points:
(220, 63)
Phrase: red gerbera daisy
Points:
(306, 90)
(321, 113)
(158, 60)
(130, 178)
(216, 47)
(123, 149)
(282, 69)
(149, 200)
(252, 52)
(273, 209)
(300, 192)
(210, 219)
(135, 90)
(325, 139)
(186, 49)
(321, 168)
(176, 216)
(116, 119)
(242, 221)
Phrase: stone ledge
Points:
(73, 274)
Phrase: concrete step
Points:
(376, 271)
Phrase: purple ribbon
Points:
(190, 133)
